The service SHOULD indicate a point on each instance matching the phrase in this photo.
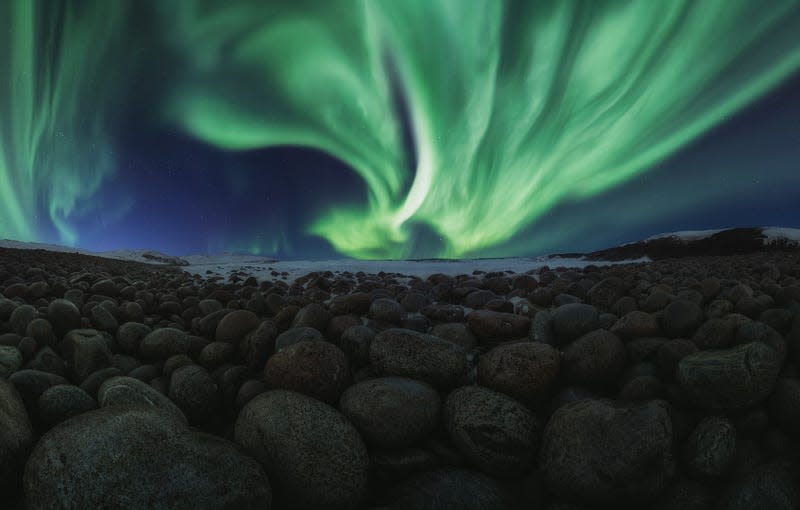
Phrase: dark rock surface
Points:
(672, 384)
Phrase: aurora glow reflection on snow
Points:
(514, 107)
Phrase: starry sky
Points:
(383, 129)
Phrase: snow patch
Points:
(686, 235)
(146, 256)
(292, 269)
(774, 234)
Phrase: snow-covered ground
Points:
(146, 256)
(263, 267)
(772, 234)
(686, 235)
(421, 268)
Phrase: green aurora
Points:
(62, 80)
(514, 107)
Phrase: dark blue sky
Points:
(182, 196)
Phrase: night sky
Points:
(385, 129)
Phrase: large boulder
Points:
(573, 320)
(130, 335)
(235, 325)
(162, 343)
(497, 326)
(773, 486)
(636, 324)
(63, 315)
(16, 436)
(493, 431)
(313, 455)
(407, 353)
(711, 448)
(681, 318)
(606, 292)
(524, 370)
(595, 358)
(196, 393)
(392, 412)
(296, 335)
(61, 402)
(138, 458)
(258, 345)
(129, 392)
(315, 368)
(599, 451)
(85, 351)
(10, 360)
(729, 379)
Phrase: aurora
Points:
(472, 120)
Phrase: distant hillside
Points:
(703, 242)
(146, 256)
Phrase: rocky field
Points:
(667, 385)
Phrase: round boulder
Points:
(408, 353)
(498, 326)
(355, 342)
(10, 360)
(595, 358)
(85, 351)
(63, 401)
(16, 436)
(63, 315)
(600, 451)
(129, 392)
(387, 310)
(729, 379)
(196, 394)
(235, 325)
(392, 412)
(162, 343)
(681, 318)
(314, 368)
(711, 448)
(295, 335)
(456, 332)
(523, 370)
(130, 335)
(164, 465)
(494, 432)
(573, 320)
(313, 454)
(636, 324)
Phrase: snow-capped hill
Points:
(146, 256)
(686, 235)
(689, 243)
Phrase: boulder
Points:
(16, 437)
(407, 353)
(133, 458)
(493, 326)
(497, 434)
(524, 370)
(595, 358)
(315, 368)
(312, 453)
(602, 452)
(392, 412)
(574, 320)
(729, 379)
